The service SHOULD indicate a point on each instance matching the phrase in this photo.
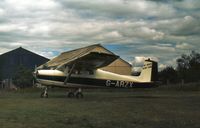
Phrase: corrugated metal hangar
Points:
(119, 66)
(10, 61)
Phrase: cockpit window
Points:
(84, 72)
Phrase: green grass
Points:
(139, 108)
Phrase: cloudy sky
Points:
(133, 29)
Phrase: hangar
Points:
(119, 66)
(10, 62)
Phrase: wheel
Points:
(70, 94)
(79, 95)
(43, 95)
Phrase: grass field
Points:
(147, 108)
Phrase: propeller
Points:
(35, 74)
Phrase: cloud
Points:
(183, 46)
(144, 33)
(118, 9)
(17, 44)
(23, 5)
(187, 26)
(140, 28)
(139, 60)
(47, 54)
(184, 26)
(188, 4)
(162, 66)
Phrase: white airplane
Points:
(84, 71)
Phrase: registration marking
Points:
(121, 84)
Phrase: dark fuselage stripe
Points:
(97, 82)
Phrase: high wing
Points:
(80, 58)
(86, 62)
(91, 60)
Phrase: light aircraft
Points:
(84, 71)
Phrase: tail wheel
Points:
(79, 95)
(44, 95)
(70, 94)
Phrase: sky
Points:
(133, 29)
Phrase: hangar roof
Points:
(70, 55)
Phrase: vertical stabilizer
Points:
(149, 71)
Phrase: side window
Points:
(66, 70)
(86, 72)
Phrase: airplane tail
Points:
(149, 71)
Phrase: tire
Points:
(43, 95)
(70, 94)
(79, 95)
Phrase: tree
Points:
(169, 74)
(188, 67)
(23, 77)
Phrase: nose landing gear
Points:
(45, 93)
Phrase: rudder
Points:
(149, 71)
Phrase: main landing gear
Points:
(45, 93)
(76, 93)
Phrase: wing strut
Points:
(70, 72)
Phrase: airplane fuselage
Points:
(98, 78)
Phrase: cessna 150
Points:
(83, 71)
